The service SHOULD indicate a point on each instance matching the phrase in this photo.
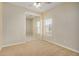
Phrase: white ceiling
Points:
(44, 6)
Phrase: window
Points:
(38, 27)
(48, 26)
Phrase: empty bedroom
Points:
(39, 29)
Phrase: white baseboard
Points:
(63, 46)
(17, 43)
(44, 40)
(7, 45)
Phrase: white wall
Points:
(14, 24)
(65, 18)
(1, 24)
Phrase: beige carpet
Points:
(36, 48)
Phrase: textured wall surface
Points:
(65, 25)
(1, 24)
(14, 24)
